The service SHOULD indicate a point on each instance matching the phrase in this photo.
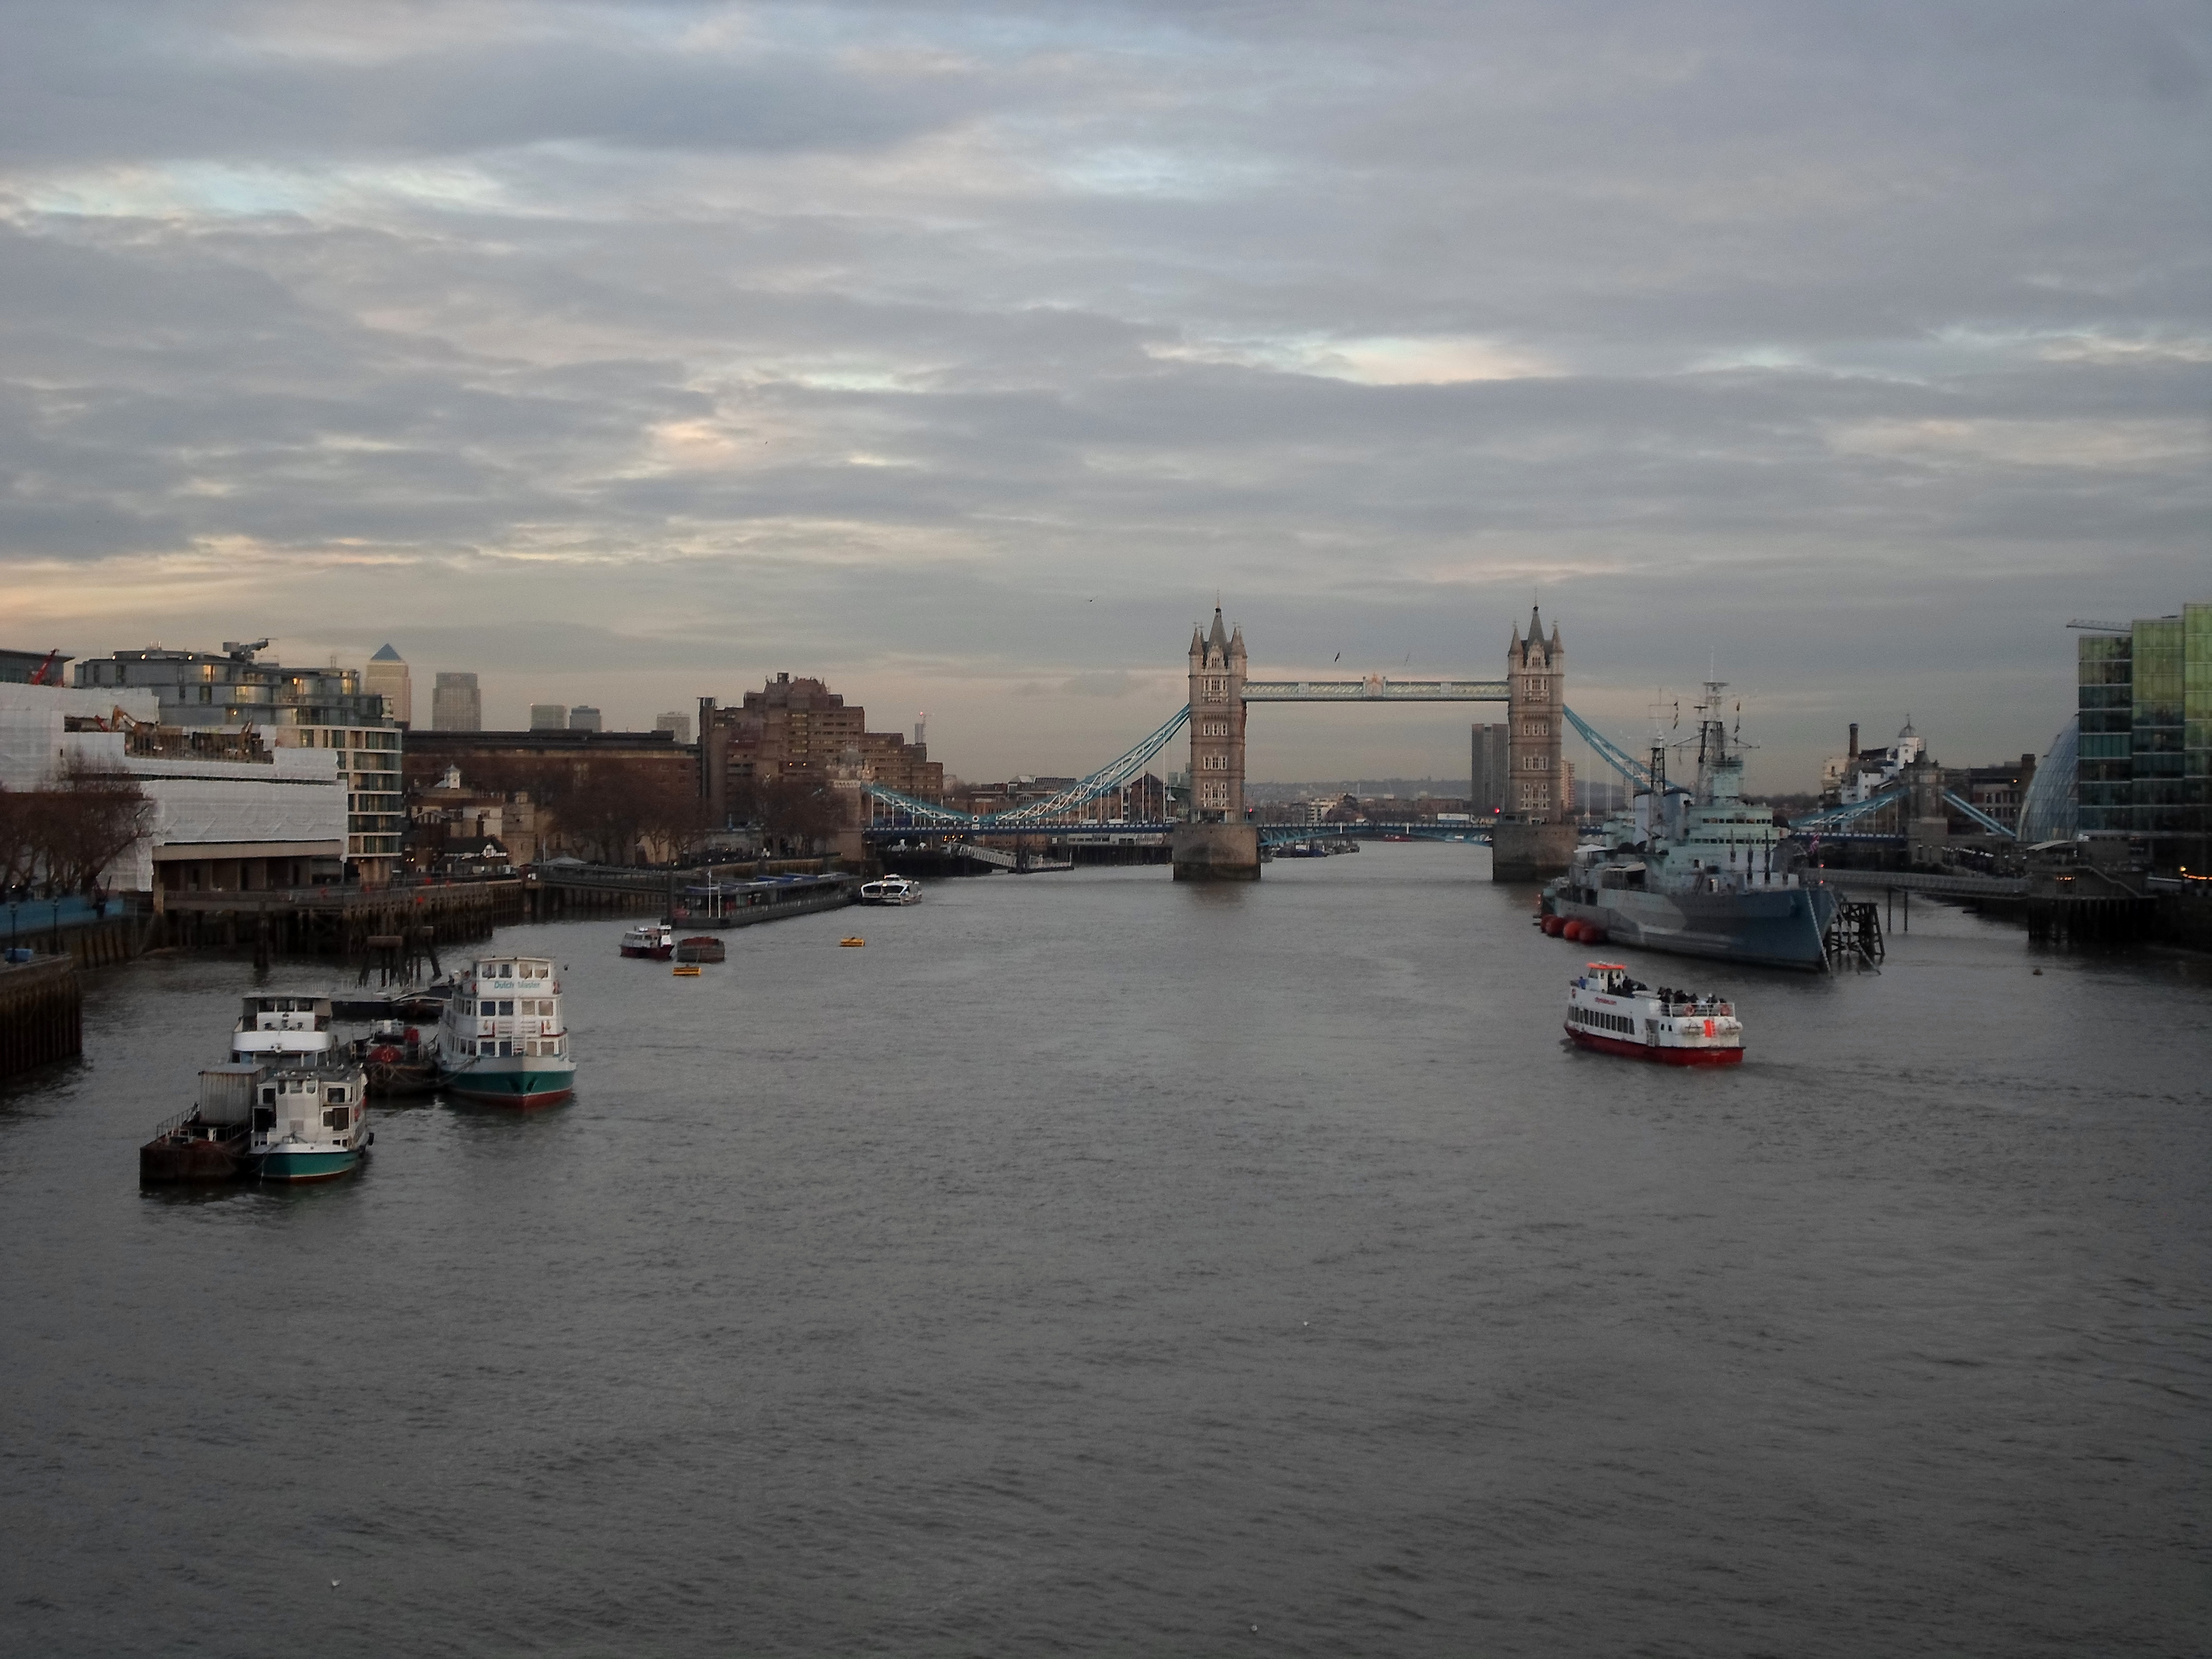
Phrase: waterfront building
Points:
(677, 723)
(454, 828)
(601, 794)
(548, 716)
(456, 703)
(33, 667)
(387, 674)
(2144, 702)
(227, 811)
(583, 718)
(326, 708)
(797, 730)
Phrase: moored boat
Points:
(891, 890)
(654, 939)
(1611, 1012)
(398, 1061)
(504, 1038)
(290, 1105)
(310, 1120)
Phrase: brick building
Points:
(796, 731)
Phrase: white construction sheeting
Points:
(292, 804)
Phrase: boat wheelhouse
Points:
(504, 1038)
(1616, 1015)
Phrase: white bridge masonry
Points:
(1534, 838)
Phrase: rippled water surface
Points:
(1096, 1265)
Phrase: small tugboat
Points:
(1609, 1012)
(656, 939)
(311, 1121)
(503, 1038)
(891, 890)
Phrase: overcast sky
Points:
(962, 355)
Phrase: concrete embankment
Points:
(41, 1013)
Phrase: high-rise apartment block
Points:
(387, 674)
(584, 718)
(548, 716)
(2144, 709)
(674, 722)
(456, 704)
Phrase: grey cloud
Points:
(831, 350)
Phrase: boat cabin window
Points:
(268, 1097)
(488, 1008)
(336, 1097)
(507, 1007)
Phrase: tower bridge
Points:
(1533, 835)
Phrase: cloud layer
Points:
(963, 354)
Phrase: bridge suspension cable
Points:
(1612, 755)
(1113, 775)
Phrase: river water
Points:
(1096, 1265)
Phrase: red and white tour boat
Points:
(1608, 1010)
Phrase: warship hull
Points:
(1785, 928)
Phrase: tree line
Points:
(58, 839)
(610, 810)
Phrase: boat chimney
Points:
(1855, 740)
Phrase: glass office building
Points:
(2145, 718)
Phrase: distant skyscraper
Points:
(679, 724)
(548, 716)
(583, 718)
(456, 704)
(387, 674)
(1488, 797)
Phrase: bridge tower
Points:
(1216, 724)
(1534, 836)
(1217, 844)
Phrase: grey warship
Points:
(1698, 871)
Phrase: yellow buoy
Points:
(854, 940)
(685, 970)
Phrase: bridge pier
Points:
(1522, 851)
(1217, 852)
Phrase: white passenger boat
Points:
(656, 939)
(891, 890)
(310, 1114)
(503, 1037)
(1616, 1015)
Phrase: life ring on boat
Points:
(384, 1055)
